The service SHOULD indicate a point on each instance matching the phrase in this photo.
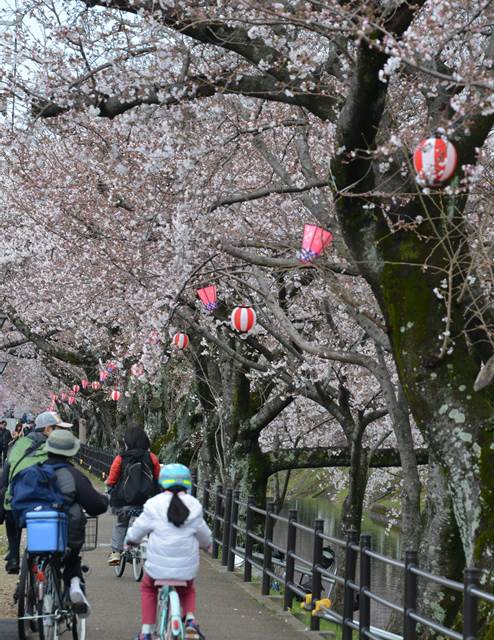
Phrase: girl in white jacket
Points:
(176, 528)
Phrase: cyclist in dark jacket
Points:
(80, 496)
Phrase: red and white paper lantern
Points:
(209, 297)
(63, 396)
(115, 395)
(243, 319)
(53, 397)
(314, 241)
(84, 383)
(181, 340)
(96, 385)
(72, 400)
(76, 388)
(103, 375)
(434, 160)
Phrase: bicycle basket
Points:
(91, 536)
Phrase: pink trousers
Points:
(149, 598)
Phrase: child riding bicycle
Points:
(176, 528)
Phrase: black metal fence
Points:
(243, 530)
(98, 461)
(232, 518)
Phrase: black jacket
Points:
(5, 438)
(79, 495)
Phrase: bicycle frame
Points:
(169, 619)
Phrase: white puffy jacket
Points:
(172, 552)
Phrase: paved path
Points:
(226, 610)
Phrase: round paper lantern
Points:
(115, 395)
(53, 397)
(85, 383)
(243, 319)
(63, 396)
(72, 400)
(137, 369)
(96, 385)
(434, 160)
(76, 388)
(181, 340)
(103, 375)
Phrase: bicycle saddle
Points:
(170, 583)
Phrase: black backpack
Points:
(136, 484)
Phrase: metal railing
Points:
(233, 520)
(96, 460)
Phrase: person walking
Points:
(132, 479)
(5, 439)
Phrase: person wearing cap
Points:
(79, 496)
(26, 451)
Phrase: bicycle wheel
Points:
(78, 627)
(137, 564)
(26, 600)
(49, 604)
(120, 567)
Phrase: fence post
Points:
(348, 593)
(227, 515)
(232, 545)
(267, 564)
(315, 623)
(470, 603)
(410, 604)
(216, 521)
(365, 583)
(291, 541)
(249, 543)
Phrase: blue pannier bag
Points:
(36, 489)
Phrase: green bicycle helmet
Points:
(175, 475)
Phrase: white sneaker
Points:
(79, 601)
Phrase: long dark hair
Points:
(136, 438)
(177, 512)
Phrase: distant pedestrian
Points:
(5, 438)
(18, 432)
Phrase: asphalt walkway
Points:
(226, 609)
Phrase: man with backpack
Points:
(27, 451)
(133, 479)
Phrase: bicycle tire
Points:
(48, 604)
(120, 567)
(78, 627)
(26, 600)
(137, 566)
